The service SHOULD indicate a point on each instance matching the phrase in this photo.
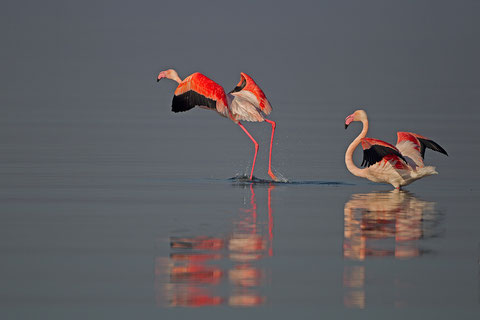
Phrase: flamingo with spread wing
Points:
(400, 165)
(245, 102)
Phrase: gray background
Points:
(97, 173)
(335, 53)
(67, 61)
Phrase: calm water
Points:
(118, 218)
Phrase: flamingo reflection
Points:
(382, 224)
(200, 268)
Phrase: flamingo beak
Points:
(348, 120)
(161, 75)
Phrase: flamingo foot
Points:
(270, 173)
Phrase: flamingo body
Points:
(398, 166)
(245, 102)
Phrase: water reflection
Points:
(215, 270)
(383, 224)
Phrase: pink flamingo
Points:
(245, 102)
(400, 165)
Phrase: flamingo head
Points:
(169, 74)
(358, 115)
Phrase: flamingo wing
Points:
(375, 150)
(416, 143)
(199, 90)
(248, 100)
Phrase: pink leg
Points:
(256, 147)
(270, 173)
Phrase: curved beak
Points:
(348, 120)
(161, 75)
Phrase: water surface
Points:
(98, 218)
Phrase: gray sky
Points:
(330, 53)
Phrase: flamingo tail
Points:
(425, 172)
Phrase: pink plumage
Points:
(246, 102)
(398, 165)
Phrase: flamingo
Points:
(398, 166)
(245, 102)
(395, 214)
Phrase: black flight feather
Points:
(240, 87)
(376, 153)
(424, 143)
(191, 99)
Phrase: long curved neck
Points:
(172, 75)
(349, 154)
(176, 78)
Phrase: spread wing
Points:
(419, 143)
(199, 90)
(248, 102)
(375, 150)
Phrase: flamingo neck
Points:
(176, 78)
(349, 154)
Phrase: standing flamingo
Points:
(400, 165)
(245, 102)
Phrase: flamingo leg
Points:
(270, 173)
(256, 147)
